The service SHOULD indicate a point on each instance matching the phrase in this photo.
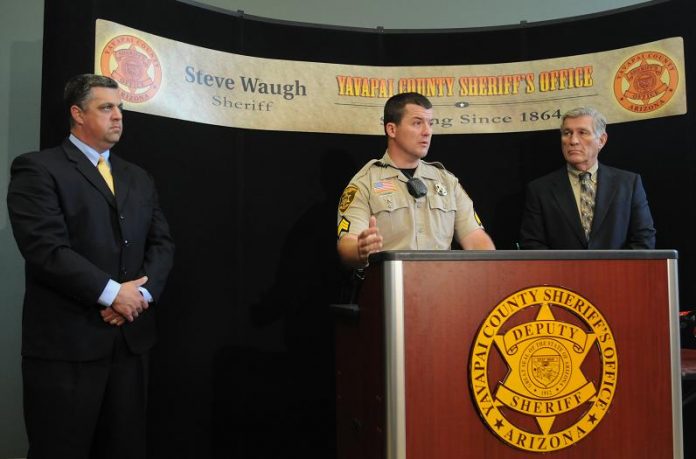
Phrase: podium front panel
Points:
(433, 312)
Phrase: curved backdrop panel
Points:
(245, 351)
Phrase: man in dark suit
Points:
(585, 204)
(97, 253)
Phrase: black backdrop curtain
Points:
(244, 365)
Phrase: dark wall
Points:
(244, 365)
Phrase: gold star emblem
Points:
(544, 358)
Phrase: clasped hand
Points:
(128, 305)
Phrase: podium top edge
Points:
(473, 255)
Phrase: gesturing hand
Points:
(369, 241)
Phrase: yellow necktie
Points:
(105, 171)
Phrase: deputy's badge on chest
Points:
(440, 189)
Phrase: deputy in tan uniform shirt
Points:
(377, 211)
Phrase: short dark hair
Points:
(394, 108)
(78, 87)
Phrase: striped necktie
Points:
(105, 172)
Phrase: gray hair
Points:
(599, 122)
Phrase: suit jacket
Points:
(75, 235)
(622, 218)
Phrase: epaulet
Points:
(440, 167)
(437, 164)
(368, 166)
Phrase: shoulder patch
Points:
(347, 197)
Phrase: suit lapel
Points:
(122, 176)
(87, 169)
(606, 189)
(563, 195)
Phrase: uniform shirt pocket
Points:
(442, 215)
(394, 216)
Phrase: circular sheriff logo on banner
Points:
(645, 82)
(543, 369)
(134, 64)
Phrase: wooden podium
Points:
(512, 354)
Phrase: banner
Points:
(164, 77)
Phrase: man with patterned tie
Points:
(97, 253)
(585, 204)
